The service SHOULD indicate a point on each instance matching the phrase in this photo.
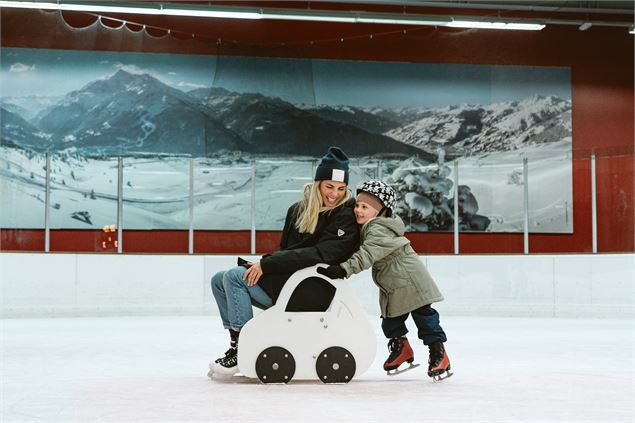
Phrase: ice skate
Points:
(210, 372)
(226, 366)
(400, 352)
(218, 360)
(438, 363)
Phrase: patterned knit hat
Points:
(383, 192)
(333, 167)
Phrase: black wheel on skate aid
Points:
(275, 365)
(335, 365)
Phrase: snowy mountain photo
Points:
(141, 111)
(477, 129)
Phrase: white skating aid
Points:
(333, 345)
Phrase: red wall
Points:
(601, 62)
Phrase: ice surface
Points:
(135, 369)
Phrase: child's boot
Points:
(400, 352)
(439, 362)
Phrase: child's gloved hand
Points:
(333, 272)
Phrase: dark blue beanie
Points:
(333, 167)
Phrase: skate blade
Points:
(224, 377)
(218, 376)
(442, 376)
(397, 371)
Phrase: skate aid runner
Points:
(406, 288)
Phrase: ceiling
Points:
(613, 7)
(583, 14)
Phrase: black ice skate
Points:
(400, 352)
(227, 365)
(438, 363)
(218, 360)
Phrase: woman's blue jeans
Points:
(235, 299)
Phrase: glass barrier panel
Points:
(83, 191)
(424, 191)
(23, 184)
(222, 193)
(22, 195)
(279, 184)
(156, 192)
(550, 183)
(491, 194)
(615, 180)
(361, 170)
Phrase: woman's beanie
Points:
(333, 167)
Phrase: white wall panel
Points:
(39, 284)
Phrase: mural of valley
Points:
(231, 118)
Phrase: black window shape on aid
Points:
(312, 294)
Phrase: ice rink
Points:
(137, 369)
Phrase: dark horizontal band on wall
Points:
(238, 242)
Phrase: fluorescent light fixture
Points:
(296, 15)
(352, 17)
(396, 19)
(496, 25)
(585, 26)
(209, 13)
(138, 8)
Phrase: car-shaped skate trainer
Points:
(333, 344)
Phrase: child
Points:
(405, 285)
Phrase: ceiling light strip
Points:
(496, 25)
(270, 13)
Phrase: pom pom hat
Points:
(333, 167)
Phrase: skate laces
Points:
(229, 351)
(395, 346)
(230, 359)
(436, 354)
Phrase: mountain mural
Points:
(273, 126)
(17, 132)
(133, 114)
(128, 113)
(468, 129)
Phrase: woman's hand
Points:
(253, 274)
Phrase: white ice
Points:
(136, 369)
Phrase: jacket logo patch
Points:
(340, 232)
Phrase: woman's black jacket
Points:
(335, 239)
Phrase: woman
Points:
(321, 228)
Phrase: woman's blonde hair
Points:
(311, 207)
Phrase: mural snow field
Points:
(156, 189)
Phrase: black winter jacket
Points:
(335, 239)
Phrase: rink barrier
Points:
(67, 284)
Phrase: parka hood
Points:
(395, 224)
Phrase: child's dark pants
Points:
(427, 320)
